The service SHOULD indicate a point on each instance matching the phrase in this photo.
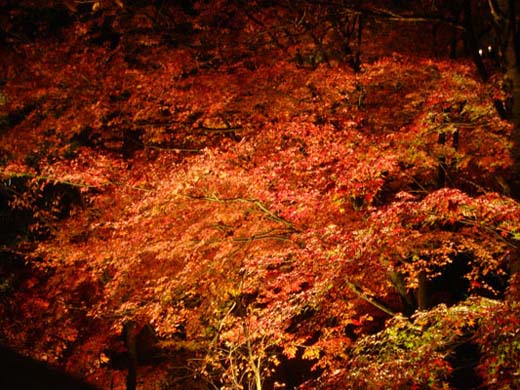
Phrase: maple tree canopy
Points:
(261, 194)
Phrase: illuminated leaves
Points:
(254, 210)
(500, 345)
(415, 352)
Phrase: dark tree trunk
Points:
(470, 40)
(504, 17)
(409, 304)
(423, 297)
(129, 333)
(514, 77)
(442, 168)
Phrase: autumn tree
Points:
(233, 194)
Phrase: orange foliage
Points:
(252, 210)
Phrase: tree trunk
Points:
(513, 76)
(470, 40)
(423, 297)
(442, 167)
(129, 333)
(504, 16)
(399, 284)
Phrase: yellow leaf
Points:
(311, 353)
(290, 351)
(103, 358)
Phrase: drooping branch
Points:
(387, 14)
(272, 215)
(264, 236)
(175, 150)
(383, 13)
(274, 234)
(70, 183)
(49, 179)
(220, 129)
(360, 293)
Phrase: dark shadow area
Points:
(452, 286)
(293, 372)
(18, 372)
(464, 361)
(13, 222)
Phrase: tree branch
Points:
(359, 292)
(272, 215)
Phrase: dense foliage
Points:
(248, 195)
